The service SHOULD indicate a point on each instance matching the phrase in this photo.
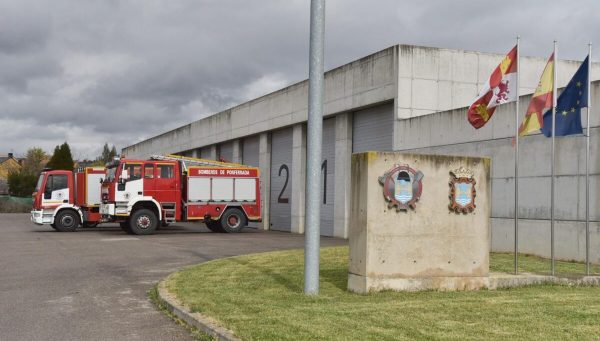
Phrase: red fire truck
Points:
(141, 194)
(65, 199)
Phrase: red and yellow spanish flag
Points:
(500, 88)
(541, 100)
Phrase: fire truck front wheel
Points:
(233, 220)
(143, 221)
(125, 227)
(66, 221)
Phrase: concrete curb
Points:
(503, 281)
(197, 320)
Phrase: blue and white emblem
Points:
(402, 187)
(462, 191)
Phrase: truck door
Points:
(149, 180)
(56, 190)
(166, 183)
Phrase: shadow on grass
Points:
(282, 280)
(337, 277)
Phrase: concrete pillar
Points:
(196, 153)
(237, 151)
(213, 152)
(298, 177)
(343, 158)
(264, 164)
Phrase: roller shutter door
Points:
(281, 180)
(250, 150)
(328, 173)
(205, 153)
(226, 151)
(373, 129)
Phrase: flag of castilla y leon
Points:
(541, 100)
(500, 88)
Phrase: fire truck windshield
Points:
(110, 173)
(39, 182)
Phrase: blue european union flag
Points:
(569, 104)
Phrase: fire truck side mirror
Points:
(124, 175)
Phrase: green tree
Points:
(21, 184)
(105, 156)
(34, 161)
(67, 157)
(113, 153)
(62, 158)
(108, 154)
(52, 162)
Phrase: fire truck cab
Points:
(65, 199)
(143, 194)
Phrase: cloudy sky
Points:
(119, 71)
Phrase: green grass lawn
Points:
(260, 297)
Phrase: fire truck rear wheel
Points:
(233, 220)
(214, 226)
(143, 222)
(90, 224)
(66, 221)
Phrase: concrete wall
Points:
(450, 133)
(362, 83)
(420, 80)
(428, 247)
(432, 79)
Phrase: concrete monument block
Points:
(407, 228)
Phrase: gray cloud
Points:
(120, 71)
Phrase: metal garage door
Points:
(328, 170)
(226, 151)
(250, 150)
(373, 129)
(205, 153)
(281, 179)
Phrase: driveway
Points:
(93, 284)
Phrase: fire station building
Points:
(404, 98)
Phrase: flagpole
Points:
(517, 161)
(587, 164)
(553, 159)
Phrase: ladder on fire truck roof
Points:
(192, 161)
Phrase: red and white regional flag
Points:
(500, 88)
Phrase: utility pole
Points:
(313, 147)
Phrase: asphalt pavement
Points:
(92, 284)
